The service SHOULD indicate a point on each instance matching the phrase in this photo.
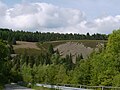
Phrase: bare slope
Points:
(74, 49)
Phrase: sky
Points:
(63, 16)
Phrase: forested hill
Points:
(101, 68)
(8, 34)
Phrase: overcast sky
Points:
(64, 16)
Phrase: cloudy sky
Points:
(63, 16)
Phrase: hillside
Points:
(30, 47)
(65, 47)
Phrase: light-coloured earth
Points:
(74, 49)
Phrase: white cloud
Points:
(47, 17)
(3, 9)
(104, 25)
(42, 15)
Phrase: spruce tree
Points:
(50, 49)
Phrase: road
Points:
(61, 87)
(15, 87)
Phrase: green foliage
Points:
(15, 75)
(50, 49)
(105, 66)
(4, 51)
(26, 73)
(61, 76)
(55, 58)
(82, 73)
(68, 62)
(79, 58)
(114, 43)
(116, 80)
(4, 69)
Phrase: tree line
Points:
(11, 36)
